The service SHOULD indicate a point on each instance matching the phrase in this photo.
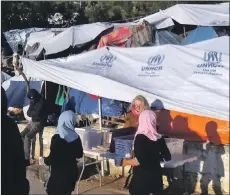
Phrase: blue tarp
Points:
(90, 105)
(199, 34)
(163, 37)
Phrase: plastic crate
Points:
(89, 137)
(175, 146)
(124, 145)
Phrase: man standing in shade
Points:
(38, 112)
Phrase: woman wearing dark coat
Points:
(13, 161)
(149, 149)
(65, 148)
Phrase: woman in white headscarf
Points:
(65, 148)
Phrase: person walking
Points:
(149, 149)
(65, 148)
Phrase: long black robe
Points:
(147, 177)
(62, 159)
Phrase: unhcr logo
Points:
(212, 60)
(212, 57)
(155, 60)
(106, 60)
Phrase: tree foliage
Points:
(20, 15)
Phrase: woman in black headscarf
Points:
(13, 162)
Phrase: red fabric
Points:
(94, 96)
(117, 37)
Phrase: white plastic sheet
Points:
(200, 14)
(73, 36)
(191, 14)
(220, 44)
(37, 37)
(185, 79)
(18, 36)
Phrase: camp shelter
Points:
(87, 104)
(187, 79)
(199, 34)
(191, 14)
(15, 88)
(135, 35)
(75, 36)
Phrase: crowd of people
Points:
(66, 147)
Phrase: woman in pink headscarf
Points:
(149, 149)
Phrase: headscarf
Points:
(69, 105)
(147, 125)
(33, 95)
(66, 126)
(4, 102)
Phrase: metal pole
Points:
(99, 112)
(184, 32)
(45, 81)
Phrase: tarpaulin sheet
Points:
(118, 37)
(201, 33)
(73, 36)
(128, 36)
(185, 79)
(191, 14)
(16, 93)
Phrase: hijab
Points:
(69, 105)
(66, 126)
(147, 125)
(33, 95)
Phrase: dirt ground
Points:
(110, 185)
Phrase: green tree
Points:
(20, 15)
(123, 11)
(105, 11)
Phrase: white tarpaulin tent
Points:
(34, 39)
(185, 79)
(159, 20)
(37, 37)
(191, 14)
(18, 36)
(73, 36)
(220, 44)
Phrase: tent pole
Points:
(45, 90)
(99, 112)
(184, 32)
(45, 81)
